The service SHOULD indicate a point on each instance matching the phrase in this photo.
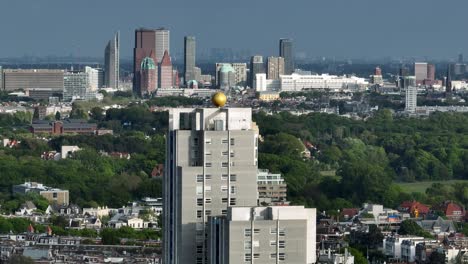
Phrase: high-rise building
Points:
(75, 85)
(431, 73)
(275, 67)
(411, 99)
(286, 52)
(1, 78)
(165, 72)
(189, 58)
(460, 58)
(14, 79)
(175, 78)
(256, 66)
(148, 76)
(420, 71)
(162, 42)
(112, 62)
(240, 73)
(95, 78)
(211, 164)
(145, 46)
(263, 235)
(448, 80)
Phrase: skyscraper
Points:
(420, 71)
(148, 76)
(256, 66)
(411, 99)
(165, 72)
(460, 58)
(286, 51)
(211, 163)
(189, 58)
(145, 46)
(431, 72)
(112, 62)
(162, 42)
(275, 67)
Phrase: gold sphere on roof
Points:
(219, 99)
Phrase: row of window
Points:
(256, 243)
(223, 164)
(223, 200)
(248, 256)
(224, 188)
(208, 213)
(223, 177)
(273, 231)
(224, 153)
(209, 141)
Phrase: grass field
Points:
(422, 186)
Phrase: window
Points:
(273, 255)
(224, 200)
(232, 201)
(55, 195)
(273, 243)
(247, 245)
(224, 188)
(232, 142)
(199, 190)
(273, 230)
(208, 188)
(208, 153)
(199, 213)
(208, 200)
(199, 249)
(208, 176)
(233, 189)
(282, 244)
(282, 256)
(208, 212)
(224, 141)
(256, 255)
(195, 141)
(248, 257)
(199, 260)
(233, 177)
(224, 164)
(256, 231)
(232, 155)
(208, 141)
(224, 153)
(282, 232)
(199, 201)
(224, 212)
(200, 178)
(208, 164)
(224, 177)
(247, 232)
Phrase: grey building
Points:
(189, 59)
(275, 68)
(14, 79)
(112, 62)
(277, 234)
(256, 66)
(286, 51)
(1, 78)
(211, 164)
(272, 189)
(75, 85)
(239, 72)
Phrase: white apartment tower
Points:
(411, 99)
(211, 164)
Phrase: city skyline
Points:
(370, 30)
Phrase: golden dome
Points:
(219, 99)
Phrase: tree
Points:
(18, 259)
(58, 116)
(410, 227)
(437, 257)
(109, 237)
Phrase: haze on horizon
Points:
(332, 28)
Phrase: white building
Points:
(298, 82)
(392, 246)
(262, 84)
(411, 99)
(95, 78)
(67, 150)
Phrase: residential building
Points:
(53, 195)
(420, 71)
(277, 234)
(438, 227)
(189, 59)
(414, 208)
(211, 164)
(286, 51)
(272, 188)
(256, 66)
(148, 76)
(65, 126)
(95, 78)
(392, 245)
(165, 72)
(75, 85)
(275, 67)
(14, 79)
(411, 99)
(112, 62)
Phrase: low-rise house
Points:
(71, 209)
(349, 213)
(53, 195)
(438, 227)
(414, 208)
(98, 211)
(27, 208)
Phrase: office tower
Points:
(145, 46)
(263, 235)
(275, 67)
(95, 78)
(165, 71)
(256, 66)
(75, 85)
(148, 76)
(411, 99)
(430, 73)
(286, 52)
(189, 58)
(211, 163)
(225, 76)
(162, 42)
(420, 71)
(112, 62)
(14, 79)
(460, 58)
(448, 81)
(175, 78)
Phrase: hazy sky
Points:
(343, 28)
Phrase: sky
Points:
(320, 28)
